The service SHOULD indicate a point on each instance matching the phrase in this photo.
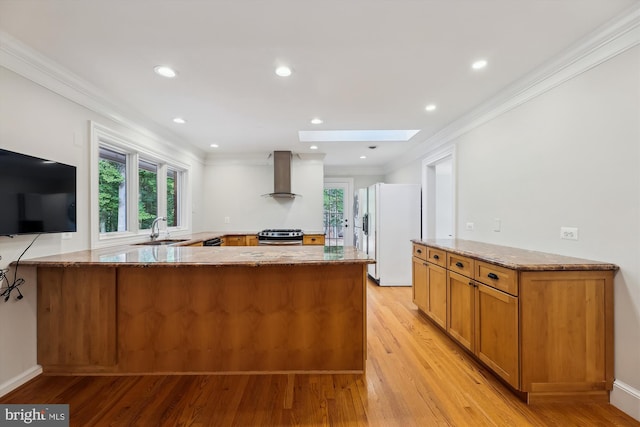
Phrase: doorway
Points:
(438, 174)
(338, 199)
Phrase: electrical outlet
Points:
(497, 224)
(227, 220)
(569, 233)
(470, 226)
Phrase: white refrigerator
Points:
(393, 212)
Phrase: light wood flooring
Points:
(416, 376)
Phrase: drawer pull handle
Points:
(436, 257)
(459, 264)
(418, 251)
(492, 276)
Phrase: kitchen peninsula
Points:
(185, 309)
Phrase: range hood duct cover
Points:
(282, 175)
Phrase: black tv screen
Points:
(36, 195)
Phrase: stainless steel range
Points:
(280, 237)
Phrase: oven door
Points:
(267, 242)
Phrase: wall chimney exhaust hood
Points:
(282, 175)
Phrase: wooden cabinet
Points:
(496, 332)
(420, 291)
(234, 240)
(430, 284)
(545, 328)
(461, 298)
(77, 317)
(437, 294)
(239, 240)
(313, 239)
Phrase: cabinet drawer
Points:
(437, 256)
(497, 277)
(460, 264)
(313, 239)
(234, 240)
(420, 251)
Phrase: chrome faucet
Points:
(155, 228)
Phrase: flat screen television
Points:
(36, 195)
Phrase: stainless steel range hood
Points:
(282, 175)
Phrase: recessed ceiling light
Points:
(363, 157)
(283, 71)
(179, 120)
(479, 64)
(165, 71)
(214, 146)
(314, 147)
(316, 121)
(430, 107)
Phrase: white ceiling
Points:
(357, 64)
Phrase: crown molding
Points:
(34, 66)
(605, 42)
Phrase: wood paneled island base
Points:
(95, 319)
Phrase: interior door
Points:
(337, 211)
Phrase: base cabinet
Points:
(546, 332)
(313, 239)
(437, 294)
(496, 332)
(461, 295)
(420, 291)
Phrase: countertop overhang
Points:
(515, 258)
(177, 256)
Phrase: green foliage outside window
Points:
(172, 199)
(112, 194)
(148, 198)
(333, 212)
(111, 179)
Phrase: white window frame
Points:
(102, 136)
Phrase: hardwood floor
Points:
(416, 376)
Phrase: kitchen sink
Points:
(161, 242)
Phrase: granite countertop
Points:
(515, 258)
(173, 255)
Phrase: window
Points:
(147, 194)
(131, 186)
(172, 197)
(112, 190)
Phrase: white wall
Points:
(410, 174)
(569, 157)
(38, 122)
(236, 189)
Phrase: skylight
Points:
(356, 135)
